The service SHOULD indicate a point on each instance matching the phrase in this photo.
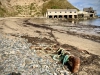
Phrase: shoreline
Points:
(37, 27)
(68, 27)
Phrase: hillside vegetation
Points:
(6, 10)
(31, 7)
(2, 10)
(57, 4)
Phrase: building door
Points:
(50, 16)
(65, 16)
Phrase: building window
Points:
(75, 12)
(70, 12)
(65, 12)
(50, 12)
(60, 12)
(55, 12)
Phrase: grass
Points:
(2, 11)
(26, 8)
(57, 4)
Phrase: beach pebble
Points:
(17, 56)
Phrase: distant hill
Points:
(57, 4)
(31, 7)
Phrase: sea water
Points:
(95, 22)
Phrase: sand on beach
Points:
(23, 26)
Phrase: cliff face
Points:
(30, 7)
(3, 7)
(20, 7)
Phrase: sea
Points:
(95, 22)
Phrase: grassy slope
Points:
(51, 4)
(57, 4)
(5, 13)
(2, 11)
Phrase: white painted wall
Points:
(61, 13)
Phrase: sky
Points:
(80, 4)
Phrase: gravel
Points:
(16, 56)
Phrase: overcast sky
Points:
(80, 4)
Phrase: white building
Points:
(91, 11)
(62, 13)
(83, 15)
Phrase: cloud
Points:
(86, 3)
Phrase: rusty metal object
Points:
(75, 63)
